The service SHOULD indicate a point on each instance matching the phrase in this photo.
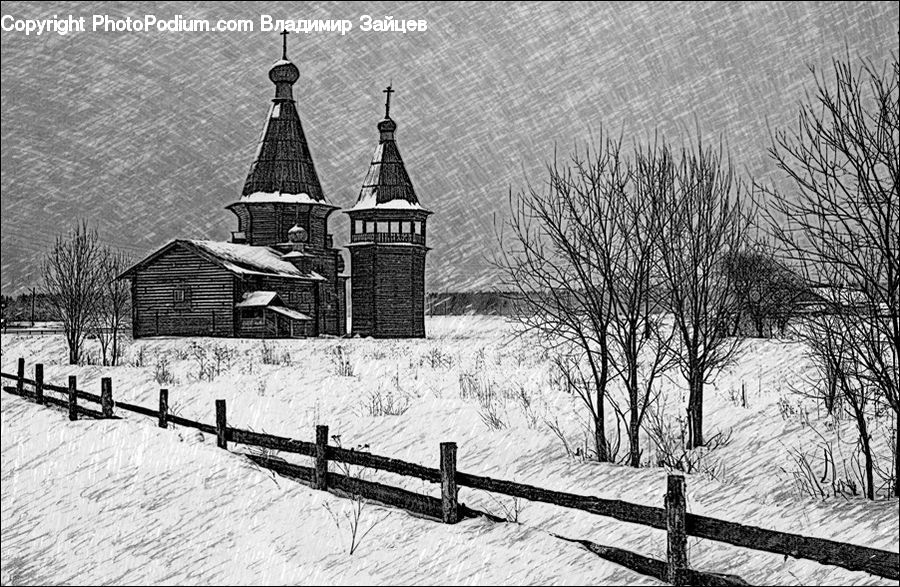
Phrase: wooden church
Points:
(280, 275)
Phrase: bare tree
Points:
(113, 304)
(768, 293)
(584, 259)
(708, 224)
(832, 339)
(841, 224)
(623, 228)
(73, 278)
(549, 265)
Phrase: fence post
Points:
(106, 401)
(221, 424)
(676, 508)
(164, 408)
(73, 399)
(20, 377)
(321, 479)
(449, 505)
(39, 383)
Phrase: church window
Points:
(382, 227)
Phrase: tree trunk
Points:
(897, 457)
(600, 444)
(634, 425)
(634, 440)
(600, 427)
(695, 409)
(600, 439)
(867, 453)
(115, 346)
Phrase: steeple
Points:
(388, 244)
(387, 126)
(387, 183)
(283, 164)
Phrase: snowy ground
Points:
(126, 502)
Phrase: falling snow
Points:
(126, 502)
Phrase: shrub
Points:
(437, 359)
(211, 362)
(270, 355)
(162, 373)
(341, 362)
(350, 519)
(381, 403)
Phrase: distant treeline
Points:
(467, 302)
(19, 308)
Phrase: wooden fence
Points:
(672, 517)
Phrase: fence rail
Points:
(673, 517)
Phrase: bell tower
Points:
(388, 245)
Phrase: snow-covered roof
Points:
(368, 200)
(294, 314)
(283, 164)
(295, 255)
(387, 185)
(253, 299)
(268, 197)
(236, 258)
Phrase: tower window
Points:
(395, 227)
(358, 226)
(417, 227)
(382, 227)
(407, 227)
(370, 226)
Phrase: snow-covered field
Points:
(126, 502)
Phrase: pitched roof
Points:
(283, 163)
(238, 259)
(255, 299)
(293, 314)
(387, 184)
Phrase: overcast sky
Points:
(150, 135)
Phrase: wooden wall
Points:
(267, 223)
(210, 311)
(362, 289)
(388, 291)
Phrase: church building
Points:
(281, 275)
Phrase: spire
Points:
(283, 163)
(387, 103)
(387, 126)
(387, 182)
